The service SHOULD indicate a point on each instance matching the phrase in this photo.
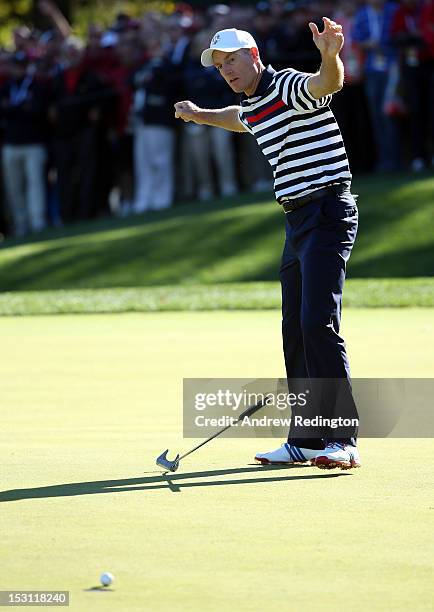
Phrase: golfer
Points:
(288, 113)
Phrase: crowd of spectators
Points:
(87, 127)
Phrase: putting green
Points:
(88, 402)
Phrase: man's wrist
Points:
(330, 57)
(198, 114)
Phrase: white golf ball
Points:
(106, 579)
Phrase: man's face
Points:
(239, 68)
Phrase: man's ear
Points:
(254, 53)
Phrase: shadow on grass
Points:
(220, 241)
(170, 482)
(405, 264)
(160, 253)
(104, 224)
(99, 589)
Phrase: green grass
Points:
(359, 293)
(88, 402)
(231, 241)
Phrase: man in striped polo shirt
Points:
(288, 113)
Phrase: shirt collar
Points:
(264, 83)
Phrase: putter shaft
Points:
(172, 466)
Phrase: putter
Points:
(172, 466)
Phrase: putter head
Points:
(170, 466)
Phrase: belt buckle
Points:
(285, 201)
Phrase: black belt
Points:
(290, 204)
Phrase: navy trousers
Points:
(319, 240)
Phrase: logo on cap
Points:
(215, 39)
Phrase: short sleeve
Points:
(294, 91)
(244, 120)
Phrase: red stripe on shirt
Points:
(266, 112)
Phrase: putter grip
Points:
(249, 411)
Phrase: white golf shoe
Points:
(287, 454)
(337, 455)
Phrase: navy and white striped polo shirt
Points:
(298, 134)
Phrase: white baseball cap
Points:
(227, 40)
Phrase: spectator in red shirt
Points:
(127, 54)
(80, 98)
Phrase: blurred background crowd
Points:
(87, 126)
